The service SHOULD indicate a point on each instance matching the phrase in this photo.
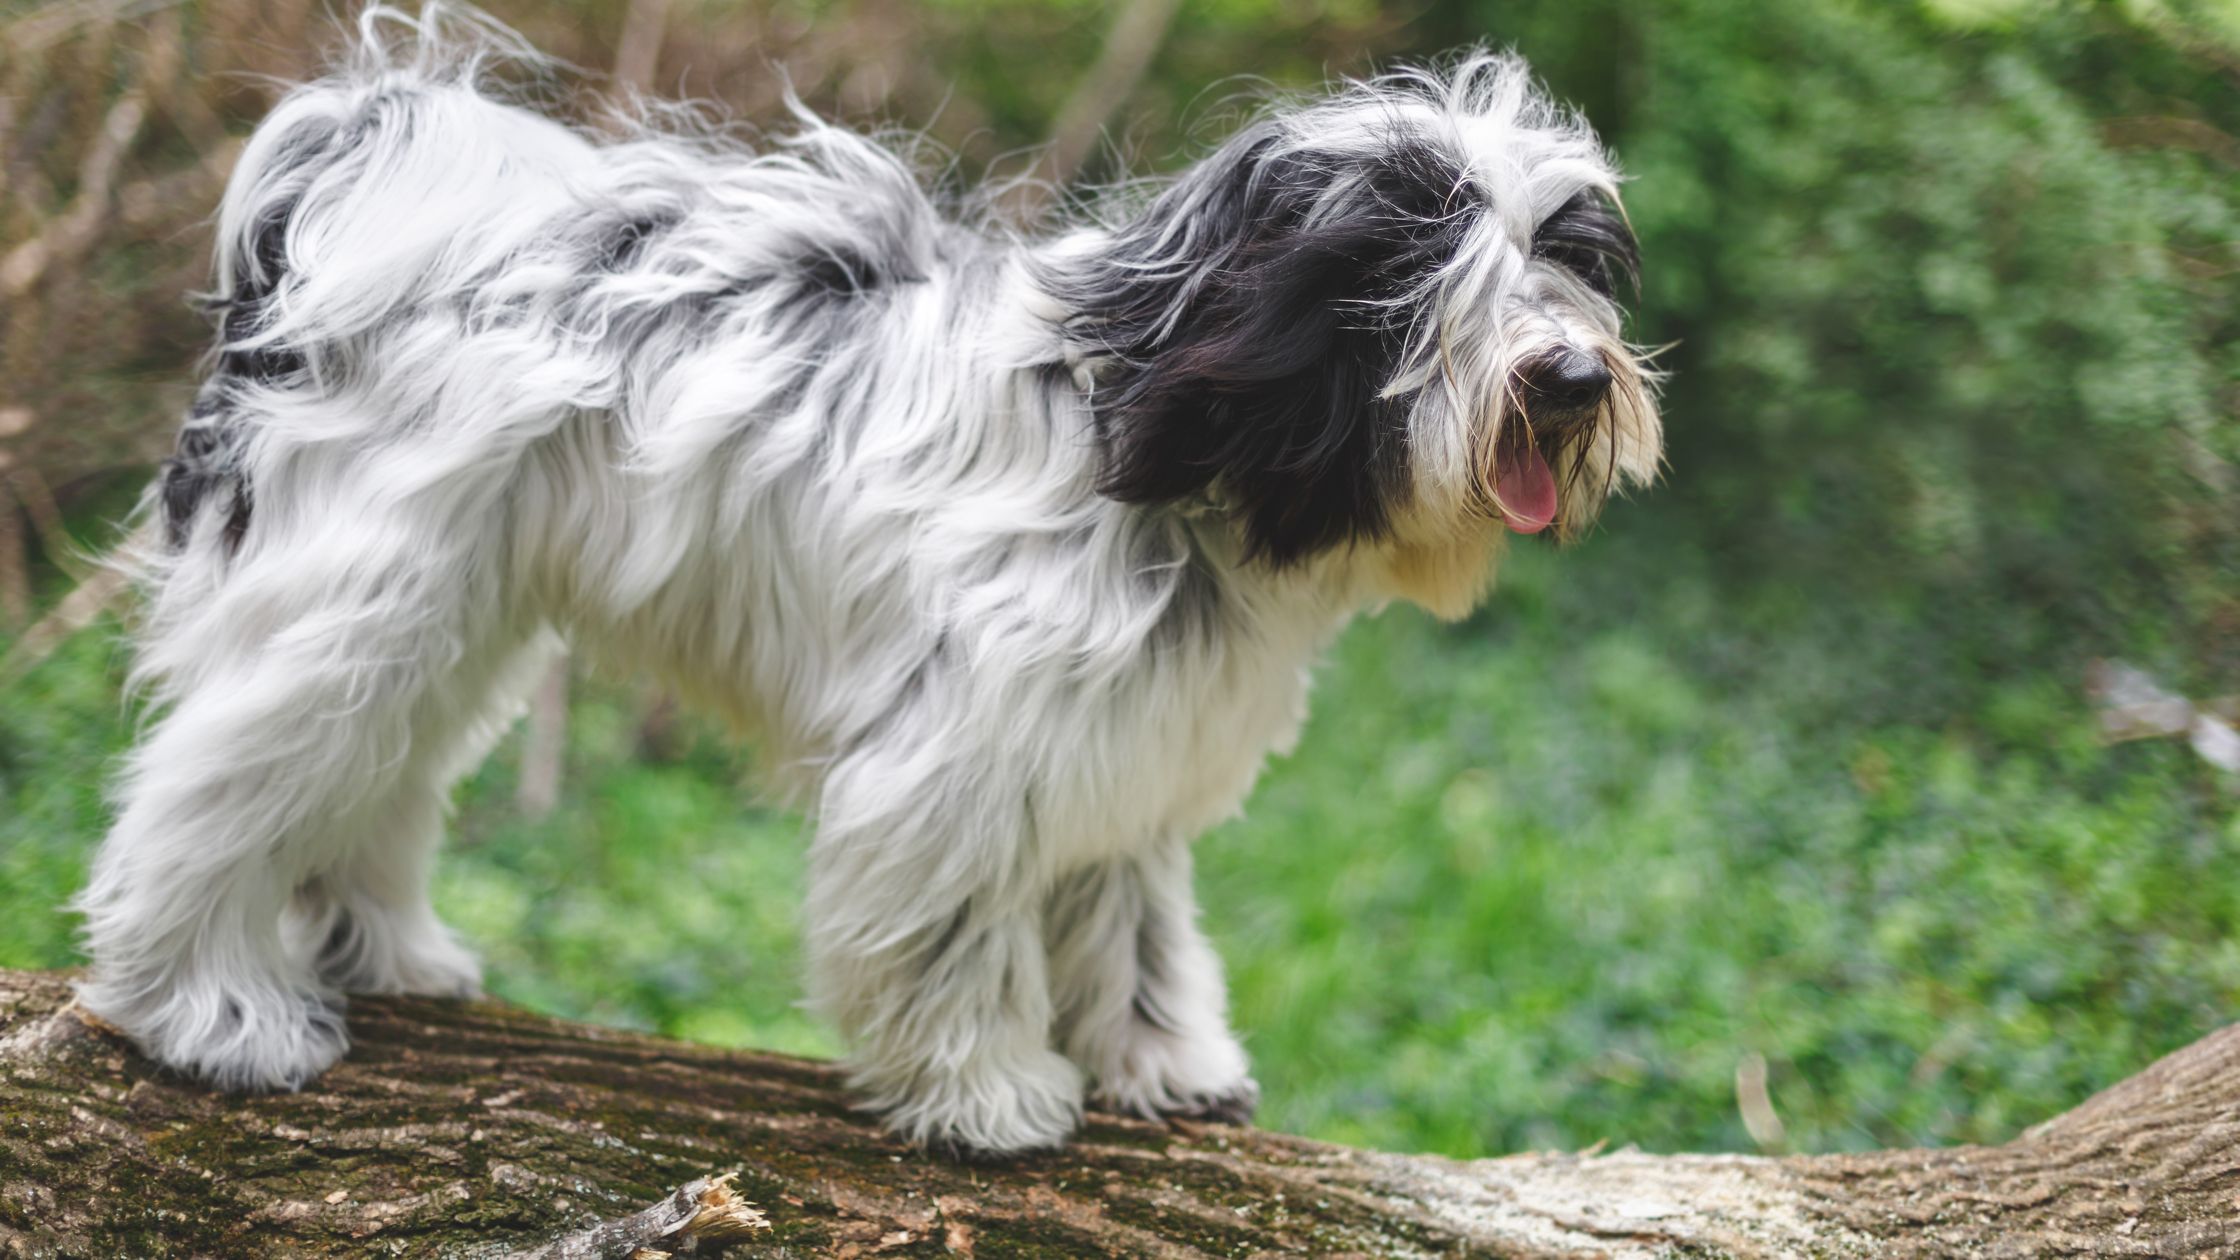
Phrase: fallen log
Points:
(480, 1130)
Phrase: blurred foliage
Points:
(1793, 759)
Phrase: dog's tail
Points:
(363, 195)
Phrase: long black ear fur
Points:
(1252, 317)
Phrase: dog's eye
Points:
(1588, 237)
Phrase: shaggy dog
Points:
(1011, 549)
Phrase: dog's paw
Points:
(992, 1110)
(277, 1050)
(365, 949)
(430, 966)
(1159, 1075)
(1234, 1105)
(240, 1040)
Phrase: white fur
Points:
(867, 530)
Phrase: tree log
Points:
(480, 1130)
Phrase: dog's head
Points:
(1387, 320)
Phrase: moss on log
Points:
(479, 1130)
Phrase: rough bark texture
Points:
(478, 1130)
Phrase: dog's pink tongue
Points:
(1527, 490)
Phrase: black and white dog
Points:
(1012, 551)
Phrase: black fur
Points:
(208, 458)
(847, 274)
(1588, 237)
(618, 246)
(1258, 364)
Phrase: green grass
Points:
(1536, 880)
(1546, 878)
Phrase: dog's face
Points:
(1388, 322)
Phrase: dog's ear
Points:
(1253, 317)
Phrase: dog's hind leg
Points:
(366, 922)
(1141, 1004)
(294, 665)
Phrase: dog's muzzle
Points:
(1562, 392)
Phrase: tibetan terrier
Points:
(1011, 549)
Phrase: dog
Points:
(1010, 547)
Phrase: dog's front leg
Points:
(939, 982)
(950, 1033)
(1141, 1003)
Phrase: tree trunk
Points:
(483, 1131)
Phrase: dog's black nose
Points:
(1567, 379)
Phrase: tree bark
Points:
(479, 1130)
